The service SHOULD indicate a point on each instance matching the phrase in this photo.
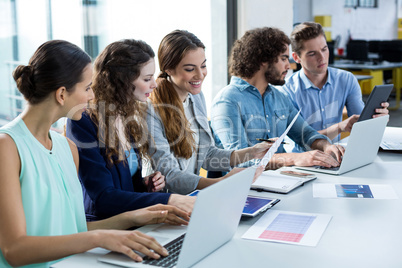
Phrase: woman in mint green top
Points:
(42, 217)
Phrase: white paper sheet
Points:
(353, 191)
(265, 160)
(392, 139)
(305, 229)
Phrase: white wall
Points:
(260, 13)
(207, 21)
(363, 23)
(399, 3)
(302, 11)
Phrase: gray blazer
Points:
(209, 157)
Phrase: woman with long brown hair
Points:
(112, 135)
(182, 141)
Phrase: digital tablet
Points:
(254, 204)
(257, 204)
(379, 95)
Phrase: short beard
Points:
(272, 77)
(277, 82)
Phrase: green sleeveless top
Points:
(51, 192)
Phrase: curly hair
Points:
(172, 49)
(254, 48)
(115, 69)
(304, 32)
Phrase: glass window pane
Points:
(25, 24)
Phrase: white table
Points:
(362, 233)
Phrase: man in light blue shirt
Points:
(322, 108)
(321, 92)
(250, 108)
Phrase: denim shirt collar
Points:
(308, 84)
(243, 85)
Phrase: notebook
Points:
(273, 181)
(214, 220)
(362, 147)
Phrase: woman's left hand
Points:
(155, 182)
(157, 214)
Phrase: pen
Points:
(269, 140)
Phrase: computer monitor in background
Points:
(374, 51)
(331, 47)
(391, 50)
(374, 46)
(357, 50)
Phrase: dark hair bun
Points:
(55, 64)
(23, 76)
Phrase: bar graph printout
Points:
(354, 191)
(289, 227)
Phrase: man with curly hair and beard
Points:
(250, 108)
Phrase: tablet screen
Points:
(194, 193)
(255, 205)
(379, 95)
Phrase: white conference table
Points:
(362, 232)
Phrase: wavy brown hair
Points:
(115, 70)
(254, 48)
(304, 32)
(172, 49)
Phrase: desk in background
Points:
(362, 233)
(376, 71)
(364, 82)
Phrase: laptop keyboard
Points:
(327, 168)
(173, 248)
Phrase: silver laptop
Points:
(214, 220)
(362, 147)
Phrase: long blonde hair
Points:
(165, 99)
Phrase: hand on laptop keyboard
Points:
(328, 168)
(174, 248)
(127, 242)
(158, 214)
(314, 158)
(336, 151)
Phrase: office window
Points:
(361, 3)
(93, 24)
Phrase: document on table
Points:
(273, 181)
(392, 139)
(354, 191)
(279, 226)
(265, 160)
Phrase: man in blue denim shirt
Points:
(319, 91)
(249, 108)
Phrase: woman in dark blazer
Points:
(112, 135)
